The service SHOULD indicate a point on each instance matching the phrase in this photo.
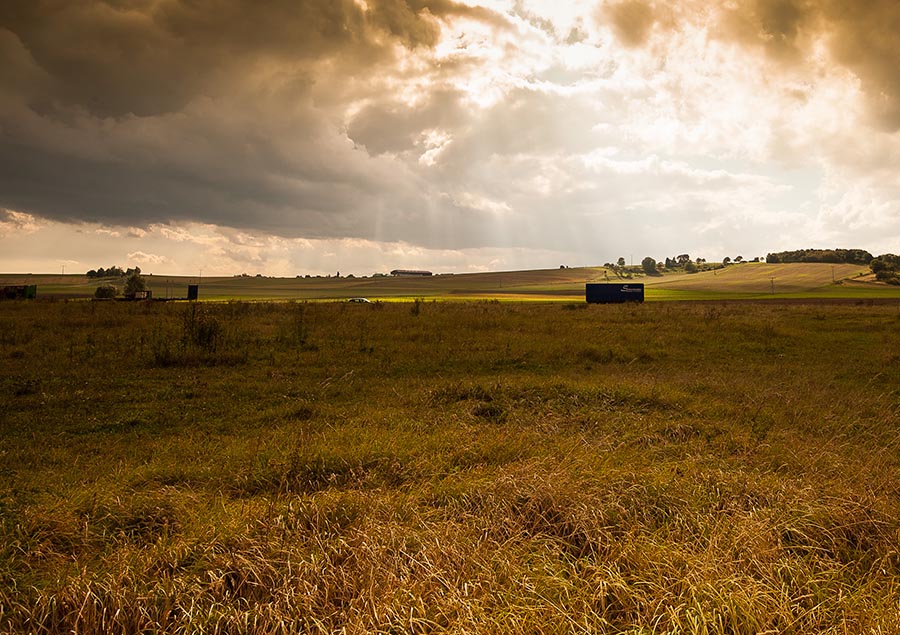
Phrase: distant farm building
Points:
(410, 272)
(598, 293)
(19, 292)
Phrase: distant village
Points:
(395, 273)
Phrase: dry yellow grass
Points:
(752, 277)
(443, 467)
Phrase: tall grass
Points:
(470, 467)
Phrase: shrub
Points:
(106, 292)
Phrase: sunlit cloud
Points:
(531, 128)
(144, 258)
(13, 223)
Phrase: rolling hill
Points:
(740, 281)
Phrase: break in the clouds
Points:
(446, 134)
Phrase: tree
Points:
(621, 261)
(112, 272)
(134, 285)
(886, 268)
(738, 258)
(648, 264)
(683, 259)
(885, 262)
(690, 267)
(726, 260)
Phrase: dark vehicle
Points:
(603, 293)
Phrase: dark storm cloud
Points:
(631, 21)
(861, 36)
(394, 127)
(866, 41)
(774, 25)
(139, 111)
(138, 57)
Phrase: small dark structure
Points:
(193, 291)
(600, 293)
(410, 272)
(19, 292)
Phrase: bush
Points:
(888, 276)
(106, 292)
(201, 329)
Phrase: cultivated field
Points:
(744, 281)
(449, 467)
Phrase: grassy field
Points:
(744, 281)
(762, 279)
(464, 467)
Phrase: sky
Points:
(298, 137)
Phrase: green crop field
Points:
(459, 467)
(743, 281)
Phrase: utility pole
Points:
(64, 269)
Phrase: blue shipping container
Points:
(602, 293)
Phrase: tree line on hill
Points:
(833, 256)
(684, 262)
(688, 264)
(113, 272)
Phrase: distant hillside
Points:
(762, 278)
(745, 280)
